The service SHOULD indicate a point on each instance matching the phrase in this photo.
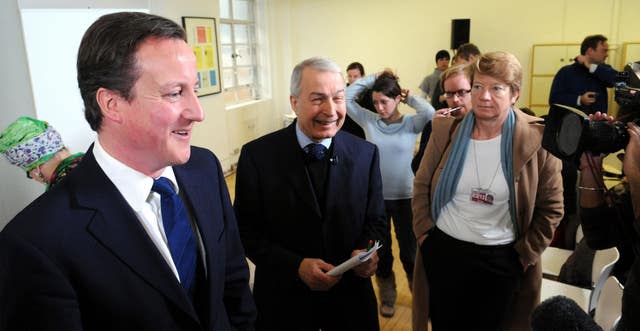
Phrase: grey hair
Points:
(322, 64)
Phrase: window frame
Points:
(238, 92)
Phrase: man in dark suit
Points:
(98, 252)
(309, 197)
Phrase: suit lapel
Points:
(339, 172)
(116, 226)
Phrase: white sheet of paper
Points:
(354, 261)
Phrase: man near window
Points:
(309, 197)
(141, 235)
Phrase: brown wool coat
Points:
(539, 205)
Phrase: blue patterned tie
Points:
(315, 151)
(177, 228)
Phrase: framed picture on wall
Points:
(203, 40)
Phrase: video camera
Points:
(627, 86)
(568, 132)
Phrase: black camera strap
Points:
(596, 172)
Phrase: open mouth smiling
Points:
(183, 133)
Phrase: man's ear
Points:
(110, 102)
(293, 100)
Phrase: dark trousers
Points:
(400, 212)
(471, 287)
(631, 301)
(565, 234)
(291, 306)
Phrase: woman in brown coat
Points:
(487, 199)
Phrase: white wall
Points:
(405, 35)
(53, 73)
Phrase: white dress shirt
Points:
(135, 187)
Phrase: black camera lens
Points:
(605, 137)
(569, 134)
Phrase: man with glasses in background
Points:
(456, 91)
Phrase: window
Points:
(243, 76)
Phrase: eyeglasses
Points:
(495, 90)
(459, 93)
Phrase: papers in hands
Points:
(354, 261)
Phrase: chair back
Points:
(603, 263)
(609, 306)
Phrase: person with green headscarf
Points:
(487, 198)
(38, 149)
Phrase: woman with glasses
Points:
(395, 135)
(487, 199)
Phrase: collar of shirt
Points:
(132, 184)
(303, 140)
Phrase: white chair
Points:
(603, 262)
(553, 258)
(609, 306)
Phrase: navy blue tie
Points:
(315, 151)
(177, 228)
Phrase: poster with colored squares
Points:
(203, 39)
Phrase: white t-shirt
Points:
(474, 221)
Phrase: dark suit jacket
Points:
(281, 221)
(77, 258)
(573, 80)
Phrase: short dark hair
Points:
(467, 49)
(387, 84)
(356, 65)
(442, 54)
(106, 57)
(591, 42)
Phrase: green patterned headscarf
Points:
(28, 143)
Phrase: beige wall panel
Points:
(540, 91)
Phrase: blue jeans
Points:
(400, 212)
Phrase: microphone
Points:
(560, 313)
(334, 160)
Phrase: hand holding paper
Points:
(354, 261)
(312, 273)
